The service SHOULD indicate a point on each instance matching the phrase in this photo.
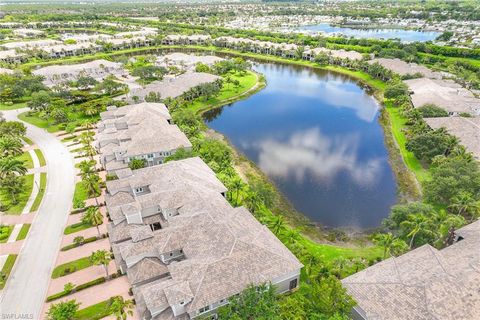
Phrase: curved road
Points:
(27, 285)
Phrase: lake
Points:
(316, 135)
(402, 34)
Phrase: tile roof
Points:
(425, 283)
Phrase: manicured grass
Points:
(6, 231)
(28, 141)
(22, 197)
(33, 118)
(398, 123)
(23, 232)
(41, 192)
(41, 158)
(7, 268)
(330, 252)
(70, 267)
(80, 193)
(228, 92)
(76, 227)
(13, 106)
(27, 160)
(94, 312)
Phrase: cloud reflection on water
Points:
(333, 94)
(308, 152)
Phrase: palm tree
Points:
(94, 217)
(445, 224)
(417, 223)
(103, 258)
(10, 166)
(235, 186)
(277, 224)
(121, 308)
(358, 263)
(87, 167)
(252, 201)
(464, 204)
(385, 240)
(92, 185)
(10, 146)
(293, 236)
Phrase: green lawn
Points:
(81, 193)
(23, 232)
(23, 197)
(94, 312)
(43, 186)
(40, 157)
(34, 119)
(28, 141)
(14, 106)
(76, 227)
(5, 232)
(7, 268)
(27, 159)
(398, 123)
(228, 92)
(70, 267)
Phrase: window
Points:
(171, 254)
(138, 190)
(204, 309)
(155, 226)
(293, 284)
(150, 155)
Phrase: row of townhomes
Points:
(424, 283)
(142, 131)
(184, 248)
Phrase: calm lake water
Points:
(316, 135)
(403, 35)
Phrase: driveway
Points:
(27, 285)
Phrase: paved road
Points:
(28, 283)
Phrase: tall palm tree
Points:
(101, 258)
(236, 185)
(415, 224)
(10, 146)
(87, 167)
(92, 185)
(292, 236)
(121, 308)
(11, 166)
(384, 240)
(94, 217)
(446, 224)
(252, 201)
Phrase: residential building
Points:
(423, 284)
(194, 39)
(405, 68)
(145, 132)
(11, 56)
(445, 94)
(98, 69)
(186, 61)
(184, 248)
(25, 45)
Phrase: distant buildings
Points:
(98, 69)
(423, 284)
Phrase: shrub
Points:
(432, 111)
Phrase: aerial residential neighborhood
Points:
(240, 160)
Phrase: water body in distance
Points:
(316, 135)
(402, 34)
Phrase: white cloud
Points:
(308, 152)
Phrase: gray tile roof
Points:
(444, 93)
(425, 283)
(466, 129)
(225, 248)
(404, 68)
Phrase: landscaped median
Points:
(7, 268)
(71, 267)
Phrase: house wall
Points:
(282, 284)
